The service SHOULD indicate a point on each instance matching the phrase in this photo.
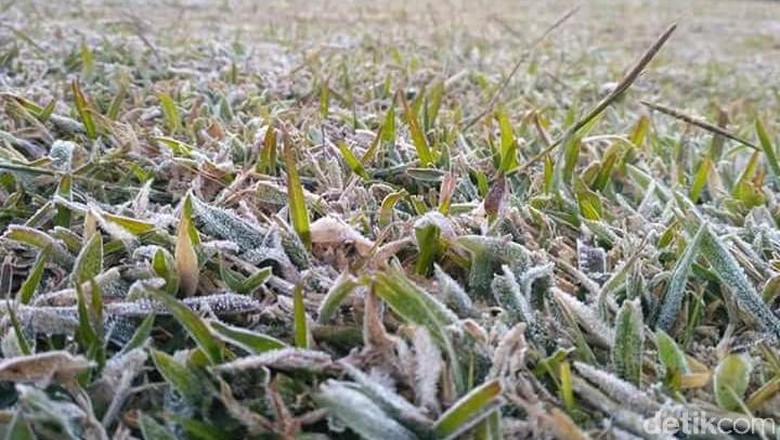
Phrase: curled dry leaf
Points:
(333, 231)
(60, 366)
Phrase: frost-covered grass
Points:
(388, 219)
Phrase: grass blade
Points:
(470, 409)
(698, 123)
(352, 161)
(171, 113)
(299, 213)
(672, 302)
(33, 280)
(629, 342)
(360, 413)
(89, 262)
(184, 253)
(248, 340)
(84, 110)
(300, 321)
(731, 380)
(733, 276)
(618, 91)
(344, 285)
(768, 148)
(194, 325)
(418, 137)
(183, 379)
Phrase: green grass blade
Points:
(254, 281)
(567, 388)
(768, 148)
(639, 132)
(629, 342)
(171, 112)
(89, 262)
(116, 103)
(180, 377)
(84, 110)
(700, 179)
(141, 334)
(267, 159)
(24, 346)
(508, 143)
(300, 320)
(248, 340)
(194, 325)
(672, 302)
(672, 358)
(299, 213)
(473, 407)
(731, 380)
(33, 280)
(344, 285)
(352, 161)
(418, 137)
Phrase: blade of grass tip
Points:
(96, 313)
(87, 60)
(433, 103)
(700, 178)
(82, 108)
(85, 333)
(523, 58)
(183, 379)
(567, 388)
(769, 150)
(341, 288)
(698, 122)
(30, 285)
(47, 111)
(141, 333)
(352, 161)
(184, 252)
(508, 142)
(298, 211)
(621, 88)
(252, 282)
(171, 112)
(194, 325)
(418, 137)
(89, 262)
(629, 342)
(116, 103)
(716, 145)
(468, 410)
(639, 132)
(301, 326)
(248, 340)
(267, 158)
(673, 299)
(24, 346)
